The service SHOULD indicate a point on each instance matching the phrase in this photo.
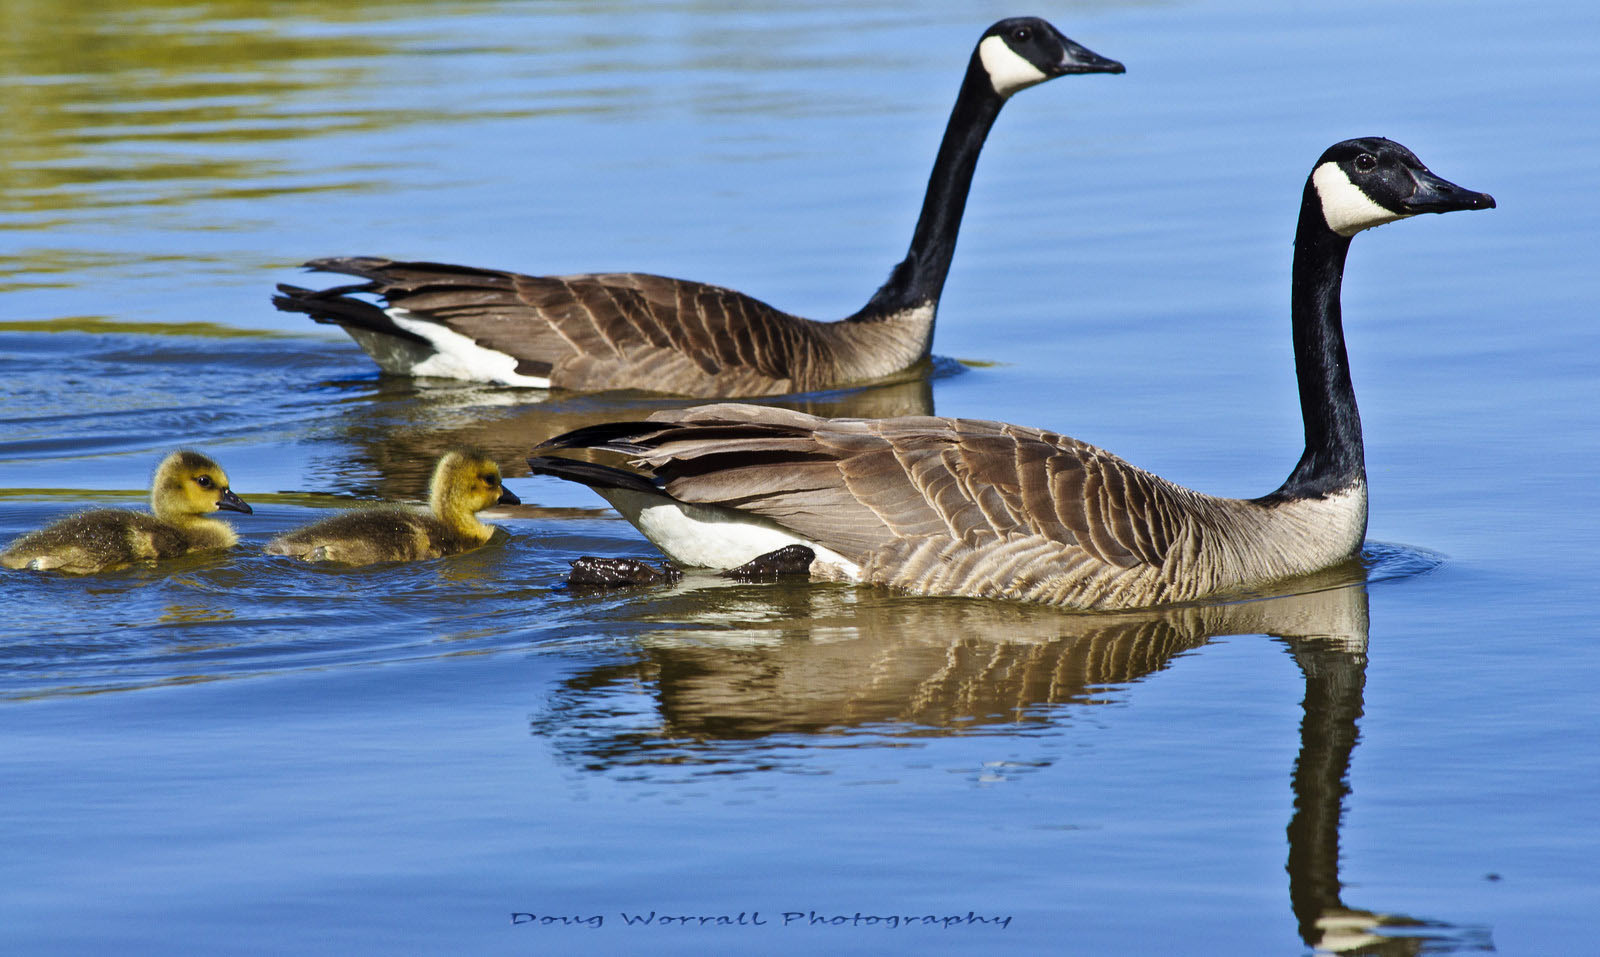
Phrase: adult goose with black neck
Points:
(964, 507)
(639, 331)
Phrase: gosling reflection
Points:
(730, 665)
(391, 433)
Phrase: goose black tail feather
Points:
(334, 307)
(591, 474)
(639, 438)
(389, 275)
(614, 436)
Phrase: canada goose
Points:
(187, 488)
(964, 507)
(638, 331)
(464, 483)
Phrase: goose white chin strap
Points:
(1347, 209)
(1008, 72)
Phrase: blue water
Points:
(232, 753)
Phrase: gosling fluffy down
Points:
(464, 483)
(187, 488)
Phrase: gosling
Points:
(187, 488)
(464, 483)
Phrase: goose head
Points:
(465, 482)
(188, 484)
(1022, 51)
(1370, 181)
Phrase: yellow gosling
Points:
(186, 489)
(464, 483)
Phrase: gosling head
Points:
(188, 484)
(1024, 51)
(1370, 181)
(467, 481)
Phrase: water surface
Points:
(235, 752)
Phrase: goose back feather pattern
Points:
(590, 332)
(947, 506)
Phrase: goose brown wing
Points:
(600, 331)
(856, 485)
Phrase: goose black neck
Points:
(919, 278)
(1334, 458)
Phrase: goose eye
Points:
(491, 480)
(204, 481)
(1366, 163)
(1022, 34)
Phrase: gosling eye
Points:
(1366, 163)
(204, 481)
(491, 480)
(1022, 34)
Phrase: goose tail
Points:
(596, 476)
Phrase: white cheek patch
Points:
(1346, 208)
(457, 357)
(1007, 71)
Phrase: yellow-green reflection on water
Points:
(97, 325)
(109, 105)
(100, 95)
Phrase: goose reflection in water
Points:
(391, 429)
(732, 665)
